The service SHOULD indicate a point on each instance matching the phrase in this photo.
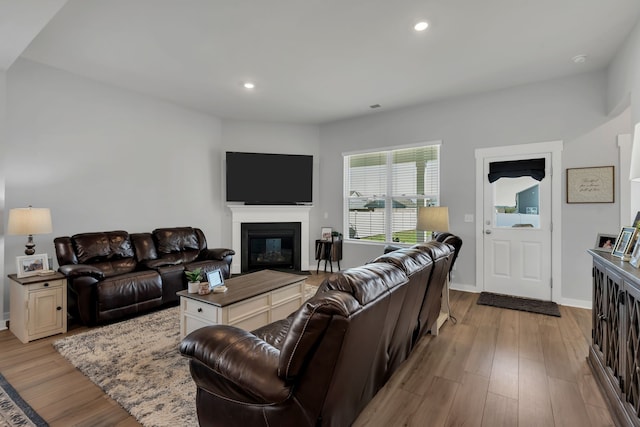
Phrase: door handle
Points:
(487, 231)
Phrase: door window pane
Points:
(516, 202)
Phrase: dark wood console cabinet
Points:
(614, 355)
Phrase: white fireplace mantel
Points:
(269, 213)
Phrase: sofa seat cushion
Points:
(116, 267)
(128, 289)
(175, 258)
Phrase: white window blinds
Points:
(384, 189)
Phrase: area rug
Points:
(138, 364)
(14, 411)
(549, 308)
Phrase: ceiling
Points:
(314, 61)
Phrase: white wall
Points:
(3, 103)
(623, 90)
(569, 109)
(284, 138)
(103, 158)
(623, 77)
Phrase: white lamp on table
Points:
(27, 222)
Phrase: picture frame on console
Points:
(624, 242)
(325, 234)
(32, 265)
(635, 255)
(605, 242)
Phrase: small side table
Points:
(328, 250)
(38, 306)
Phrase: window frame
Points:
(388, 197)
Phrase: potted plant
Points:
(194, 278)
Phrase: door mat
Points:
(14, 411)
(549, 308)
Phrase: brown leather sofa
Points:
(327, 360)
(113, 274)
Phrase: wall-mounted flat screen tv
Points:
(269, 179)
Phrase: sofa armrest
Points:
(218, 253)
(78, 270)
(231, 362)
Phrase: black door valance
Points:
(517, 168)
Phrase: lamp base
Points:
(30, 246)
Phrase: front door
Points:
(517, 232)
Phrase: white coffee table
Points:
(251, 301)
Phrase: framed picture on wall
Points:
(590, 185)
(626, 238)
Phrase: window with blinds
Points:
(384, 189)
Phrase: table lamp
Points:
(29, 221)
(435, 218)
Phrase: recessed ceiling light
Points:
(579, 59)
(421, 26)
(248, 85)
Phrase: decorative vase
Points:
(193, 287)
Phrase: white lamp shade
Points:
(635, 155)
(26, 221)
(434, 218)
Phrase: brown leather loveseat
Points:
(113, 274)
(326, 361)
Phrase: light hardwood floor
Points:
(493, 368)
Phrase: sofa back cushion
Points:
(365, 283)
(442, 255)
(91, 248)
(177, 239)
(111, 251)
(307, 327)
(356, 359)
(144, 246)
(417, 264)
(352, 360)
(452, 240)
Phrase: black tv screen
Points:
(269, 179)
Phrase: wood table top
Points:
(246, 286)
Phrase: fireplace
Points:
(243, 214)
(272, 245)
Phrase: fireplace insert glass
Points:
(270, 245)
(275, 252)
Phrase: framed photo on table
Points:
(32, 265)
(635, 255)
(215, 278)
(605, 242)
(624, 242)
(325, 233)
